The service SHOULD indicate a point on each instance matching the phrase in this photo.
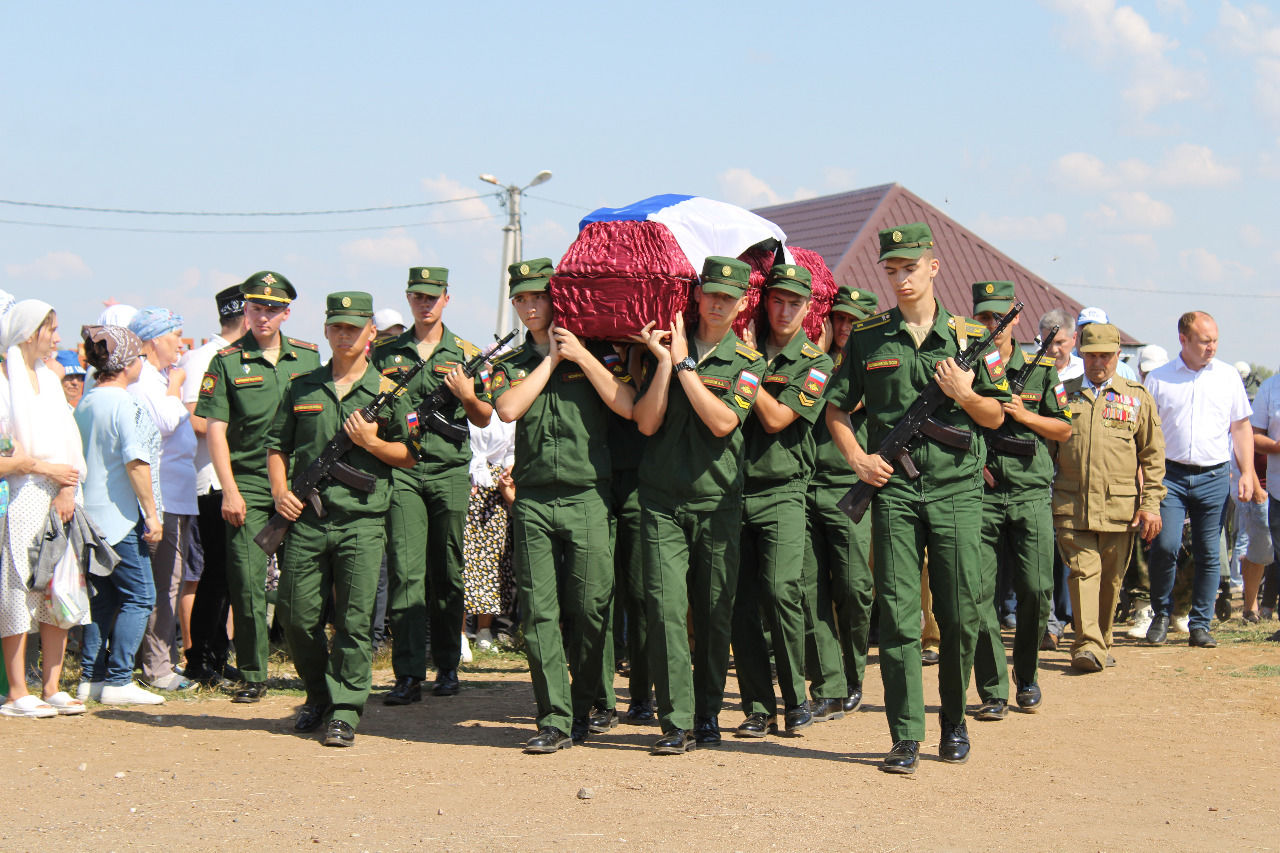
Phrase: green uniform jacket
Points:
(797, 377)
(830, 467)
(684, 464)
(1043, 395)
(437, 454)
(884, 369)
(243, 389)
(1113, 436)
(311, 414)
(562, 441)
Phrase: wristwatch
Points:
(686, 363)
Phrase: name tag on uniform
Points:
(882, 363)
(574, 376)
(715, 382)
(248, 380)
(307, 408)
(1031, 396)
(774, 378)
(445, 368)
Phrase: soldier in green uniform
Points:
(239, 395)
(429, 500)
(559, 393)
(892, 356)
(778, 462)
(695, 398)
(839, 590)
(1017, 525)
(339, 555)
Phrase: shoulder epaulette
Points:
(229, 350)
(871, 322)
(384, 342)
(810, 350)
(974, 329)
(469, 349)
(1047, 361)
(745, 351)
(294, 342)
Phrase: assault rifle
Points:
(306, 485)
(428, 410)
(1008, 444)
(919, 421)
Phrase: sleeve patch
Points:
(806, 400)
(742, 404)
(208, 384)
(748, 385)
(815, 382)
(1060, 394)
(995, 364)
(499, 381)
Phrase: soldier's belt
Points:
(1011, 446)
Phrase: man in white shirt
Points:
(1062, 348)
(1266, 439)
(207, 652)
(1205, 414)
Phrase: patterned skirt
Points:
(488, 584)
(21, 609)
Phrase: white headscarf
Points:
(117, 315)
(43, 431)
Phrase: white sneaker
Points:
(465, 656)
(90, 690)
(1141, 622)
(484, 640)
(1180, 624)
(128, 694)
(172, 681)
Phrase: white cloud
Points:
(740, 187)
(394, 249)
(1207, 266)
(1133, 209)
(1119, 37)
(1252, 32)
(54, 266)
(1190, 165)
(1045, 227)
(443, 187)
(1184, 165)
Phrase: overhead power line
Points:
(75, 227)
(137, 212)
(1163, 292)
(561, 203)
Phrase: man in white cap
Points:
(1097, 315)
(389, 323)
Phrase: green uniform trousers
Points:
(338, 556)
(628, 594)
(900, 532)
(1017, 532)
(564, 573)
(690, 571)
(247, 588)
(837, 570)
(770, 584)
(424, 530)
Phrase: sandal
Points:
(28, 706)
(66, 704)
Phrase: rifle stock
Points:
(896, 445)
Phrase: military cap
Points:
(993, 296)
(353, 307)
(905, 241)
(268, 288)
(860, 303)
(725, 275)
(230, 302)
(530, 276)
(790, 277)
(429, 280)
(1099, 337)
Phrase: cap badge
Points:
(726, 270)
(266, 291)
(524, 269)
(897, 236)
(268, 279)
(346, 302)
(991, 288)
(791, 272)
(853, 294)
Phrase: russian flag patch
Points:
(1060, 394)
(748, 385)
(815, 381)
(995, 364)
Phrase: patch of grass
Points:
(1236, 630)
(1257, 671)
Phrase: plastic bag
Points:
(67, 595)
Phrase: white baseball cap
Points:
(1152, 356)
(1091, 315)
(385, 318)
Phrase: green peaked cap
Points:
(268, 288)
(429, 280)
(860, 303)
(530, 276)
(790, 277)
(725, 275)
(905, 241)
(353, 307)
(993, 296)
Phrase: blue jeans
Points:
(120, 607)
(1199, 495)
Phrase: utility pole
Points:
(512, 242)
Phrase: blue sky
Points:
(1128, 153)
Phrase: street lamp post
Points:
(512, 242)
